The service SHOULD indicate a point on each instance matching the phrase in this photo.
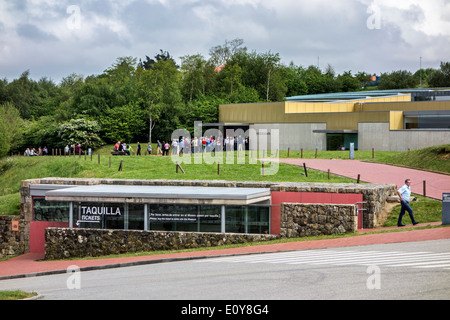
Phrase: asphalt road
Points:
(405, 271)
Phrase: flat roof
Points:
(160, 194)
(356, 95)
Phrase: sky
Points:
(56, 38)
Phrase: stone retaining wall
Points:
(301, 220)
(63, 243)
(12, 243)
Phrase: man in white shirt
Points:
(405, 195)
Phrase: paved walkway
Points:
(436, 183)
(29, 265)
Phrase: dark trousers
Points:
(405, 207)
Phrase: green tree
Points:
(347, 82)
(23, 93)
(124, 123)
(193, 70)
(160, 96)
(295, 84)
(11, 127)
(400, 79)
(440, 78)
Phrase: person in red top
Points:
(116, 147)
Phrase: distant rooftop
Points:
(359, 95)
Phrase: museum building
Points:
(386, 120)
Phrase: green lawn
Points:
(424, 210)
(15, 295)
(436, 158)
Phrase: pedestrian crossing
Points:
(419, 260)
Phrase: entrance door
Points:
(340, 141)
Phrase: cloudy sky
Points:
(55, 38)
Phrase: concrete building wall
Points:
(297, 136)
(379, 137)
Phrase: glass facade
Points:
(157, 217)
(427, 121)
(248, 219)
(194, 218)
(341, 141)
(50, 211)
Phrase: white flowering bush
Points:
(82, 131)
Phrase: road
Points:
(403, 271)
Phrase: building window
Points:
(423, 121)
(160, 217)
(167, 217)
(248, 219)
(100, 215)
(341, 141)
(50, 211)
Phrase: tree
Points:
(159, 93)
(123, 123)
(363, 78)
(221, 54)
(193, 70)
(23, 93)
(440, 78)
(11, 126)
(400, 79)
(295, 84)
(347, 82)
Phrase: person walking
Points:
(138, 153)
(405, 195)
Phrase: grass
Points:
(424, 210)
(16, 295)
(436, 158)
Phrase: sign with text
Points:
(93, 214)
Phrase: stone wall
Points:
(63, 243)
(301, 220)
(12, 243)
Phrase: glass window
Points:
(258, 219)
(53, 211)
(423, 121)
(99, 215)
(247, 219)
(136, 216)
(210, 218)
(168, 217)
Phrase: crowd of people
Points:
(29, 152)
(68, 149)
(180, 146)
(206, 144)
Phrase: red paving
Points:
(29, 264)
(436, 183)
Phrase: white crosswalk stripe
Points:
(422, 260)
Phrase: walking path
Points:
(29, 265)
(436, 183)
